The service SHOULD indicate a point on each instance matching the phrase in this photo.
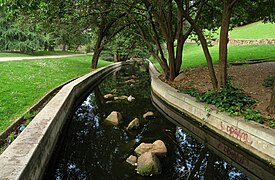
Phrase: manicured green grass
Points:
(22, 83)
(256, 30)
(37, 53)
(7, 54)
(193, 54)
(47, 53)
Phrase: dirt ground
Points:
(248, 77)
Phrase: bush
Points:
(228, 99)
(231, 100)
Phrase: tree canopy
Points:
(162, 26)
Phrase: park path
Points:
(2, 59)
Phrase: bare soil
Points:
(248, 77)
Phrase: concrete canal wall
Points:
(252, 136)
(28, 155)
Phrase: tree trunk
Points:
(96, 55)
(97, 51)
(271, 107)
(46, 47)
(227, 9)
(205, 51)
(208, 58)
(64, 47)
(116, 57)
(51, 48)
(171, 59)
(180, 40)
(179, 55)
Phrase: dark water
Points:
(92, 149)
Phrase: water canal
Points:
(93, 149)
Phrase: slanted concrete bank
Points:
(252, 136)
(28, 155)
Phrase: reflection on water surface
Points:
(92, 149)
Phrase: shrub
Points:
(231, 100)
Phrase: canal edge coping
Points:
(27, 156)
(254, 137)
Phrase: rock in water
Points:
(121, 98)
(143, 147)
(108, 96)
(131, 98)
(148, 115)
(148, 164)
(134, 124)
(159, 148)
(130, 81)
(114, 118)
(132, 160)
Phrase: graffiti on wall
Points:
(239, 158)
(236, 133)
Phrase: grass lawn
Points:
(37, 53)
(256, 30)
(9, 54)
(193, 54)
(22, 83)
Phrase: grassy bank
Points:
(22, 83)
(37, 53)
(256, 30)
(193, 55)
(10, 54)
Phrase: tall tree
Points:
(226, 15)
(15, 37)
(162, 22)
(220, 14)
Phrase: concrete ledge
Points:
(242, 159)
(28, 155)
(252, 136)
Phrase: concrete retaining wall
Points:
(252, 136)
(241, 159)
(28, 155)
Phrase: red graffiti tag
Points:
(236, 133)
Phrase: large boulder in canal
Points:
(158, 148)
(148, 164)
(143, 147)
(114, 118)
